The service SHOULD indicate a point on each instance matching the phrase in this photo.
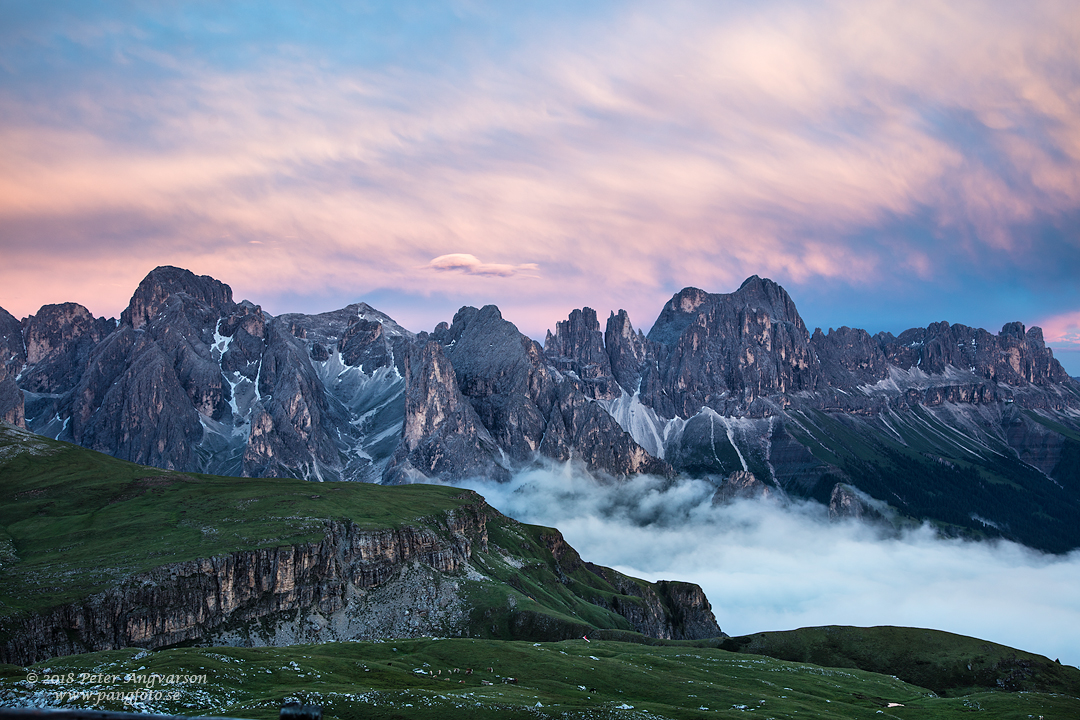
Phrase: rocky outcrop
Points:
(741, 485)
(577, 347)
(131, 404)
(292, 422)
(627, 351)
(849, 357)
(364, 337)
(443, 436)
(58, 340)
(194, 600)
(691, 613)
(668, 610)
(163, 282)
(580, 429)
(504, 376)
(846, 502)
(148, 390)
(526, 405)
(1013, 356)
(725, 351)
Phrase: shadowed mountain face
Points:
(978, 431)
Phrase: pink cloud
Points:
(1063, 329)
(470, 265)
(652, 150)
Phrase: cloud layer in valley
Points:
(771, 566)
(892, 164)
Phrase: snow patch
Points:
(638, 419)
(220, 346)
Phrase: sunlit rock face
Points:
(189, 379)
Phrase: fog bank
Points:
(771, 566)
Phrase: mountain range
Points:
(976, 432)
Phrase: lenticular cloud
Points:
(769, 565)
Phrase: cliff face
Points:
(525, 406)
(578, 347)
(442, 436)
(195, 600)
(407, 581)
(668, 610)
(724, 351)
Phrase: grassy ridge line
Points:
(571, 679)
(74, 521)
(946, 663)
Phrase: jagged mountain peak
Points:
(689, 305)
(1015, 329)
(723, 382)
(58, 340)
(765, 294)
(363, 311)
(753, 279)
(164, 281)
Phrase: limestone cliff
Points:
(194, 600)
(418, 578)
(668, 610)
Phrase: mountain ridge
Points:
(187, 379)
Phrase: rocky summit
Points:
(977, 431)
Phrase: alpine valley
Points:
(976, 432)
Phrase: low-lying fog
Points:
(771, 566)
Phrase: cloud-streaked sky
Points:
(766, 566)
(890, 163)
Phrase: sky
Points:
(768, 566)
(891, 164)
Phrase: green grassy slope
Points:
(946, 663)
(416, 679)
(75, 522)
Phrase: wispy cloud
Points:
(767, 566)
(893, 148)
(1063, 329)
(470, 265)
